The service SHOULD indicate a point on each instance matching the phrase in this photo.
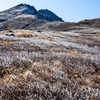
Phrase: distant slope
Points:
(66, 26)
(31, 22)
(90, 22)
(21, 22)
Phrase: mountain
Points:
(48, 15)
(25, 9)
(17, 10)
(24, 16)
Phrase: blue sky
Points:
(68, 10)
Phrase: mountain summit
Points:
(48, 15)
(25, 9)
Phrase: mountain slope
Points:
(28, 10)
(48, 15)
(24, 16)
(21, 22)
(17, 10)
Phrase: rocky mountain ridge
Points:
(28, 10)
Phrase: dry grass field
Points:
(50, 65)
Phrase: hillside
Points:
(42, 59)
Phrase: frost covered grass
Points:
(49, 66)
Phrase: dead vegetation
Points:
(50, 78)
(49, 66)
